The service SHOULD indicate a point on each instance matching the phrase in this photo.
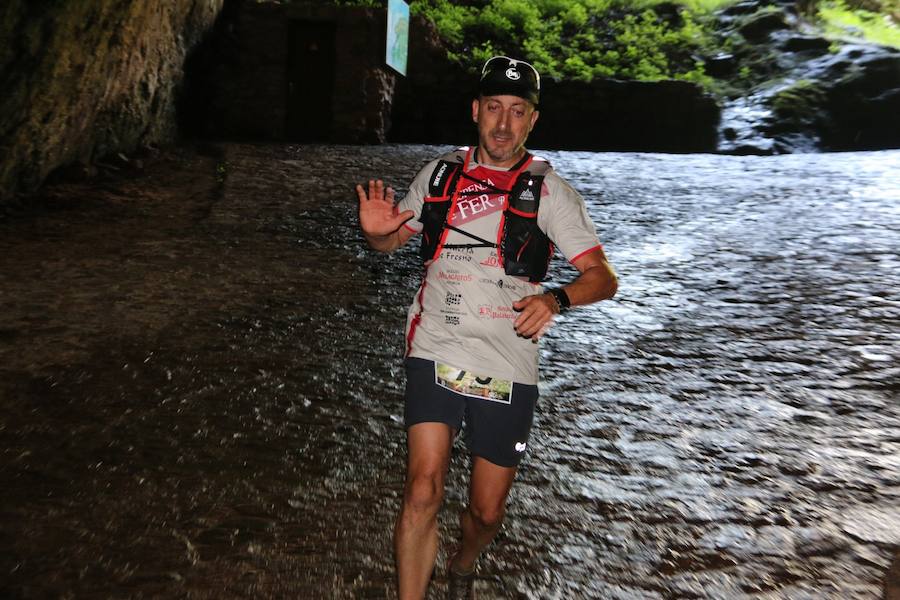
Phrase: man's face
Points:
(504, 123)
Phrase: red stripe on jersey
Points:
(418, 318)
(580, 254)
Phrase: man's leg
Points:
(416, 532)
(481, 520)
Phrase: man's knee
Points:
(487, 516)
(424, 493)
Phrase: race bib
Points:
(470, 384)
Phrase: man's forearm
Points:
(597, 282)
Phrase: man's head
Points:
(506, 109)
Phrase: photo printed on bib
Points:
(471, 385)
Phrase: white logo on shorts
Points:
(520, 446)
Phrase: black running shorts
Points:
(497, 419)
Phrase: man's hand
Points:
(378, 215)
(536, 316)
(597, 281)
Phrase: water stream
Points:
(200, 385)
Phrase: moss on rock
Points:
(799, 102)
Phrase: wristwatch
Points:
(562, 298)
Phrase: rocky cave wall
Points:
(82, 80)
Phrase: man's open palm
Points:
(377, 214)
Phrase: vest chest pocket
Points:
(526, 249)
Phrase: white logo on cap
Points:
(520, 446)
(511, 73)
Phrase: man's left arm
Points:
(596, 282)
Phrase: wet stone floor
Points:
(200, 385)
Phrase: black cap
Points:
(502, 75)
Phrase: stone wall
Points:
(81, 80)
(235, 84)
(431, 104)
(661, 116)
(364, 87)
(238, 80)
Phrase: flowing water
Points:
(200, 385)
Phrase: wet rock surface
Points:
(201, 385)
(810, 93)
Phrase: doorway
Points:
(310, 80)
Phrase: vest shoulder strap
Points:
(446, 172)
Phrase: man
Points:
(489, 218)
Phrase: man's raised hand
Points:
(378, 216)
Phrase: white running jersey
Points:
(463, 314)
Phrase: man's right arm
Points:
(380, 220)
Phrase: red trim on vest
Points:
(522, 249)
(521, 213)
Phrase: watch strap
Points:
(562, 298)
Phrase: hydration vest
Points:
(522, 248)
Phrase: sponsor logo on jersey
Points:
(453, 277)
(458, 254)
(469, 207)
(486, 311)
(491, 261)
